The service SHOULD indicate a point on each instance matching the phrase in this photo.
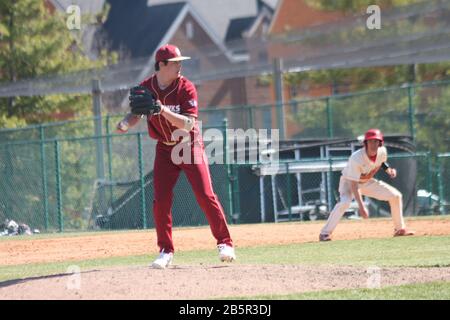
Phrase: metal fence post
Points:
(440, 183)
(429, 177)
(58, 187)
(412, 129)
(289, 200)
(250, 117)
(109, 150)
(329, 118)
(141, 179)
(278, 80)
(228, 167)
(9, 172)
(97, 106)
(330, 184)
(236, 193)
(44, 177)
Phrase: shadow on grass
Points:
(13, 282)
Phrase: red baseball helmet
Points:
(374, 134)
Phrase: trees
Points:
(33, 42)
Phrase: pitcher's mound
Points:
(211, 281)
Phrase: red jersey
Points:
(180, 97)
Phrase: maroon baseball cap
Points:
(169, 52)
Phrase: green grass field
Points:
(432, 251)
(425, 291)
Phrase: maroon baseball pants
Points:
(165, 176)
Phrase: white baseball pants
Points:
(374, 189)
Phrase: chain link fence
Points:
(57, 185)
(308, 189)
(63, 176)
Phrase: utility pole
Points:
(278, 81)
(97, 110)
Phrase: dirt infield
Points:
(194, 282)
(104, 245)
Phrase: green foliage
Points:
(11, 121)
(388, 109)
(433, 121)
(356, 79)
(36, 42)
(310, 118)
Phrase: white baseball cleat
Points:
(163, 261)
(226, 253)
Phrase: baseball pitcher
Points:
(169, 101)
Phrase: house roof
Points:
(237, 27)
(219, 13)
(269, 5)
(139, 28)
(272, 3)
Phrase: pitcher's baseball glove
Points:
(142, 102)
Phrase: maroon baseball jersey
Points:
(181, 97)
